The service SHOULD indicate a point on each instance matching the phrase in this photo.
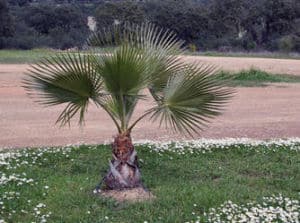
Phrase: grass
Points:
(31, 56)
(255, 77)
(23, 56)
(186, 184)
(272, 55)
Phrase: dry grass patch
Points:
(129, 195)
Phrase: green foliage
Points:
(34, 55)
(26, 38)
(254, 25)
(63, 24)
(190, 99)
(187, 19)
(223, 25)
(186, 95)
(44, 18)
(288, 43)
(228, 25)
(110, 13)
(67, 79)
(19, 2)
(6, 22)
(23, 56)
(254, 77)
(192, 47)
(46, 25)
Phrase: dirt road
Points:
(260, 112)
(275, 66)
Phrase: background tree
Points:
(279, 19)
(234, 25)
(19, 2)
(188, 19)
(120, 11)
(226, 22)
(6, 22)
(64, 24)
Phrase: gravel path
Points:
(257, 112)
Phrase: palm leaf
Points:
(161, 48)
(65, 79)
(190, 99)
(124, 71)
(157, 46)
(124, 76)
(111, 36)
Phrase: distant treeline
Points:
(223, 25)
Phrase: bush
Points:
(286, 44)
(289, 43)
(192, 47)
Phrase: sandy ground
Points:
(259, 112)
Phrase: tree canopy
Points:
(249, 25)
(6, 20)
(45, 25)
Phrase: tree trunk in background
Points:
(124, 171)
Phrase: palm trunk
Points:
(124, 171)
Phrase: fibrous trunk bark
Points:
(124, 171)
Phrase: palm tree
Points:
(143, 58)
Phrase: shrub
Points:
(192, 47)
(286, 43)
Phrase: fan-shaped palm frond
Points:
(109, 36)
(124, 74)
(124, 71)
(189, 99)
(146, 35)
(66, 78)
(158, 46)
